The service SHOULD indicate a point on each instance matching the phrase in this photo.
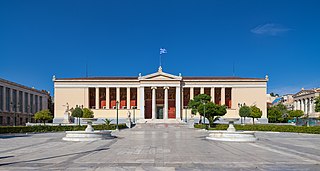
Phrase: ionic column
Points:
(306, 106)
(178, 103)
(107, 98)
(97, 98)
(223, 96)
(166, 102)
(298, 105)
(141, 99)
(138, 98)
(295, 105)
(310, 106)
(191, 93)
(212, 94)
(128, 97)
(154, 102)
(202, 90)
(23, 105)
(118, 95)
(302, 105)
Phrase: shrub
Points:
(43, 116)
(46, 128)
(87, 113)
(274, 128)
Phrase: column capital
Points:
(153, 87)
(165, 87)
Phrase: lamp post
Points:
(186, 108)
(117, 103)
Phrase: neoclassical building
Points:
(305, 100)
(156, 96)
(19, 103)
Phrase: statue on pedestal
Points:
(128, 121)
(66, 116)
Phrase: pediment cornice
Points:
(160, 75)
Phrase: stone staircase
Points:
(157, 121)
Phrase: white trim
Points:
(159, 85)
(226, 85)
(94, 85)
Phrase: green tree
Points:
(296, 114)
(212, 111)
(244, 111)
(255, 113)
(77, 113)
(87, 113)
(43, 116)
(196, 101)
(273, 114)
(317, 102)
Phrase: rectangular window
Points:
(186, 96)
(1, 120)
(92, 98)
(14, 100)
(1, 98)
(20, 101)
(217, 96)
(196, 91)
(40, 102)
(26, 103)
(8, 97)
(207, 91)
(228, 96)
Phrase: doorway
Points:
(159, 112)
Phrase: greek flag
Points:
(163, 51)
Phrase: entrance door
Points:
(159, 112)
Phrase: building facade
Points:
(19, 103)
(156, 96)
(305, 100)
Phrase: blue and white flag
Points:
(163, 51)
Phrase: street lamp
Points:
(186, 108)
(117, 103)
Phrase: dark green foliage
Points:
(244, 112)
(317, 102)
(265, 127)
(87, 113)
(255, 113)
(77, 112)
(196, 101)
(43, 116)
(45, 128)
(213, 111)
(278, 114)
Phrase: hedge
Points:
(47, 128)
(266, 127)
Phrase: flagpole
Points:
(160, 60)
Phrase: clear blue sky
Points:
(39, 39)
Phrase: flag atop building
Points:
(162, 51)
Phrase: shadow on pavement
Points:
(52, 157)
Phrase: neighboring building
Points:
(305, 100)
(156, 96)
(271, 100)
(18, 103)
(288, 100)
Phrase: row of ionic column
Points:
(97, 104)
(165, 106)
(306, 105)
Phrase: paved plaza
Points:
(160, 147)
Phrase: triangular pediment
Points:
(160, 75)
(303, 92)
